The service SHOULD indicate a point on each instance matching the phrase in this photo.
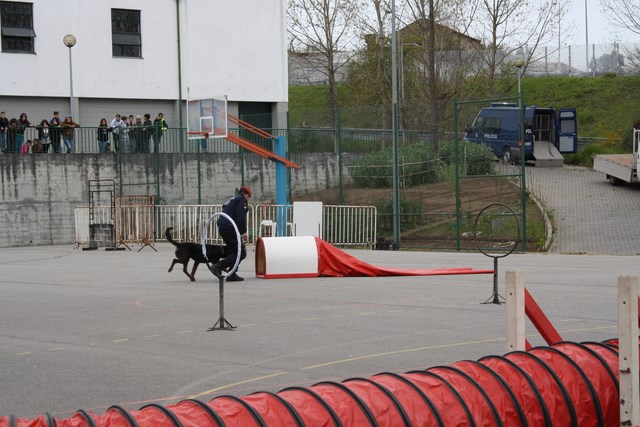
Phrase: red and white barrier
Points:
(308, 256)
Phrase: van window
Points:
(511, 124)
(567, 126)
(492, 124)
(477, 123)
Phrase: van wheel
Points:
(506, 156)
(616, 182)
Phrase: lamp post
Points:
(586, 33)
(70, 41)
(559, 60)
(519, 63)
(557, 3)
(394, 132)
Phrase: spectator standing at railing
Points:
(4, 127)
(147, 129)
(23, 124)
(125, 142)
(136, 135)
(36, 147)
(44, 135)
(12, 134)
(68, 132)
(159, 127)
(116, 127)
(24, 149)
(54, 130)
(103, 136)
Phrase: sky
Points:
(600, 30)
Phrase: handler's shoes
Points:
(235, 278)
(216, 270)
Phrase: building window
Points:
(17, 27)
(125, 33)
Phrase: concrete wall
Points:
(41, 192)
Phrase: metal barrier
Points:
(342, 225)
(265, 223)
(188, 220)
(143, 224)
(350, 225)
(102, 215)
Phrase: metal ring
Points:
(475, 233)
(203, 239)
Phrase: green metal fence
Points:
(443, 183)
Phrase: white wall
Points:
(229, 47)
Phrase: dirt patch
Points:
(432, 208)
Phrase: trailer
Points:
(620, 168)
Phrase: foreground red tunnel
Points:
(566, 384)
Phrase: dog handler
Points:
(236, 207)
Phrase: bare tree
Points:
(424, 13)
(376, 35)
(322, 28)
(510, 26)
(625, 14)
(622, 13)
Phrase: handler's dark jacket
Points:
(236, 207)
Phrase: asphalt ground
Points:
(91, 329)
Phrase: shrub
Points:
(410, 213)
(585, 155)
(475, 159)
(418, 164)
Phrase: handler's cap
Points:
(246, 190)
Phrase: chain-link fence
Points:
(445, 178)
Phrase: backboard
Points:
(207, 115)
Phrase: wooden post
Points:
(515, 310)
(628, 350)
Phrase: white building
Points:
(142, 56)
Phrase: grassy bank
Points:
(607, 106)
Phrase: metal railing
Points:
(343, 225)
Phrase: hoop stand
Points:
(222, 323)
(495, 298)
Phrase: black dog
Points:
(187, 251)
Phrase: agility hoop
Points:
(222, 323)
(501, 247)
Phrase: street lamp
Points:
(557, 3)
(70, 41)
(519, 63)
(586, 34)
(394, 132)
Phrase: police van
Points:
(548, 132)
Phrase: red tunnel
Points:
(566, 384)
